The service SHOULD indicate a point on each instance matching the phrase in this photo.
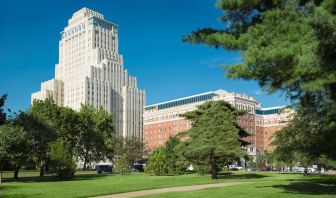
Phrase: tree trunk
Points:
(85, 161)
(46, 166)
(16, 172)
(0, 176)
(305, 170)
(42, 169)
(213, 167)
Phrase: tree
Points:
(41, 134)
(61, 160)
(214, 138)
(288, 46)
(2, 121)
(14, 147)
(122, 165)
(176, 163)
(301, 140)
(2, 113)
(64, 121)
(133, 149)
(95, 138)
(157, 163)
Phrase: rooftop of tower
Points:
(84, 13)
(87, 13)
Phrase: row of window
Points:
(73, 30)
(267, 112)
(183, 101)
(100, 23)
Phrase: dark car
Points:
(137, 168)
(104, 169)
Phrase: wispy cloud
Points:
(220, 61)
(212, 62)
(258, 92)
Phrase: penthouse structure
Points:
(91, 71)
(162, 120)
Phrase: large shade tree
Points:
(64, 121)
(288, 46)
(131, 148)
(95, 134)
(15, 146)
(41, 134)
(214, 138)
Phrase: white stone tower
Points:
(91, 71)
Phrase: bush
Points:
(122, 166)
(202, 169)
(253, 165)
(61, 161)
(173, 150)
(157, 163)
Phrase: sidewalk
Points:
(171, 189)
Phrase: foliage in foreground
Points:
(96, 130)
(132, 149)
(287, 46)
(173, 149)
(122, 166)
(58, 136)
(306, 139)
(157, 163)
(14, 147)
(61, 161)
(215, 138)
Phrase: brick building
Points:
(162, 120)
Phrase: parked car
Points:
(298, 169)
(137, 168)
(265, 168)
(251, 169)
(190, 168)
(235, 168)
(312, 170)
(104, 169)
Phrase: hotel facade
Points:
(91, 71)
(162, 120)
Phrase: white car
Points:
(312, 170)
(298, 169)
(235, 167)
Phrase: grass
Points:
(87, 184)
(276, 187)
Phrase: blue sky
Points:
(150, 36)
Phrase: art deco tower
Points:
(91, 71)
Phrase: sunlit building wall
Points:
(91, 71)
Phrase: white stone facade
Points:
(91, 71)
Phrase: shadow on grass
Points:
(308, 188)
(17, 195)
(55, 178)
(229, 175)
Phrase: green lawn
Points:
(88, 184)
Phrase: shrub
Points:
(157, 163)
(61, 161)
(122, 166)
(173, 150)
(202, 169)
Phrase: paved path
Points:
(171, 189)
